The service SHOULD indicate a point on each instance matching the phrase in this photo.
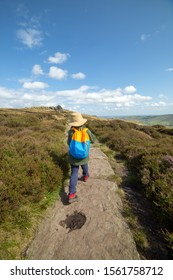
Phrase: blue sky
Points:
(100, 57)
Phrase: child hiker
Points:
(79, 138)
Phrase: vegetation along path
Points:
(93, 227)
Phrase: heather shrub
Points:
(29, 174)
(156, 174)
(149, 156)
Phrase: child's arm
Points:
(70, 133)
(92, 136)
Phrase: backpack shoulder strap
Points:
(74, 129)
(85, 134)
(85, 129)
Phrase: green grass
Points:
(139, 233)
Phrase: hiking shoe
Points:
(72, 197)
(85, 178)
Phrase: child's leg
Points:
(85, 169)
(73, 179)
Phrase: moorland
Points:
(165, 120)
(33, 167)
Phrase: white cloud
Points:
(87, 95)
(58, 58)
(37, 70)
(129, 89)
(84, 99)
(35, 85)
(79, 76)
(169, 69)
(158, 104)
(57, 73)
(6, 93)
(86, 88)
(162, 96)
(30, 33)
(35, 22)
(144, 37)
(124, 99)
(30, 37)
(23, 80)
(35, 97)
(22, 11)
(13, 98)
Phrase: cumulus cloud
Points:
(30, 37)
(37, 70)
(57, 73)
(15, 98)
(40, 98)
(119, 97)
(84, 99)
(158, 104)
(129, 89)
(79, 76)
(35, 85)
(58, 58)
(6, 93)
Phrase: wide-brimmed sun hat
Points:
(77, 120)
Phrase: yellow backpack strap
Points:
(85, 136)
(85, 129)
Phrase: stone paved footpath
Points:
(104, 236)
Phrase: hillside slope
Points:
(33, 167)
(166, 120)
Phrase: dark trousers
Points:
(74, 176)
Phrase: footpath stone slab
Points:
(104, 234)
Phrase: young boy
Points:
(77, 124)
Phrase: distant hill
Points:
(166, 120)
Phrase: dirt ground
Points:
(91, 228)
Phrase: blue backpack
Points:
(80, 144)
